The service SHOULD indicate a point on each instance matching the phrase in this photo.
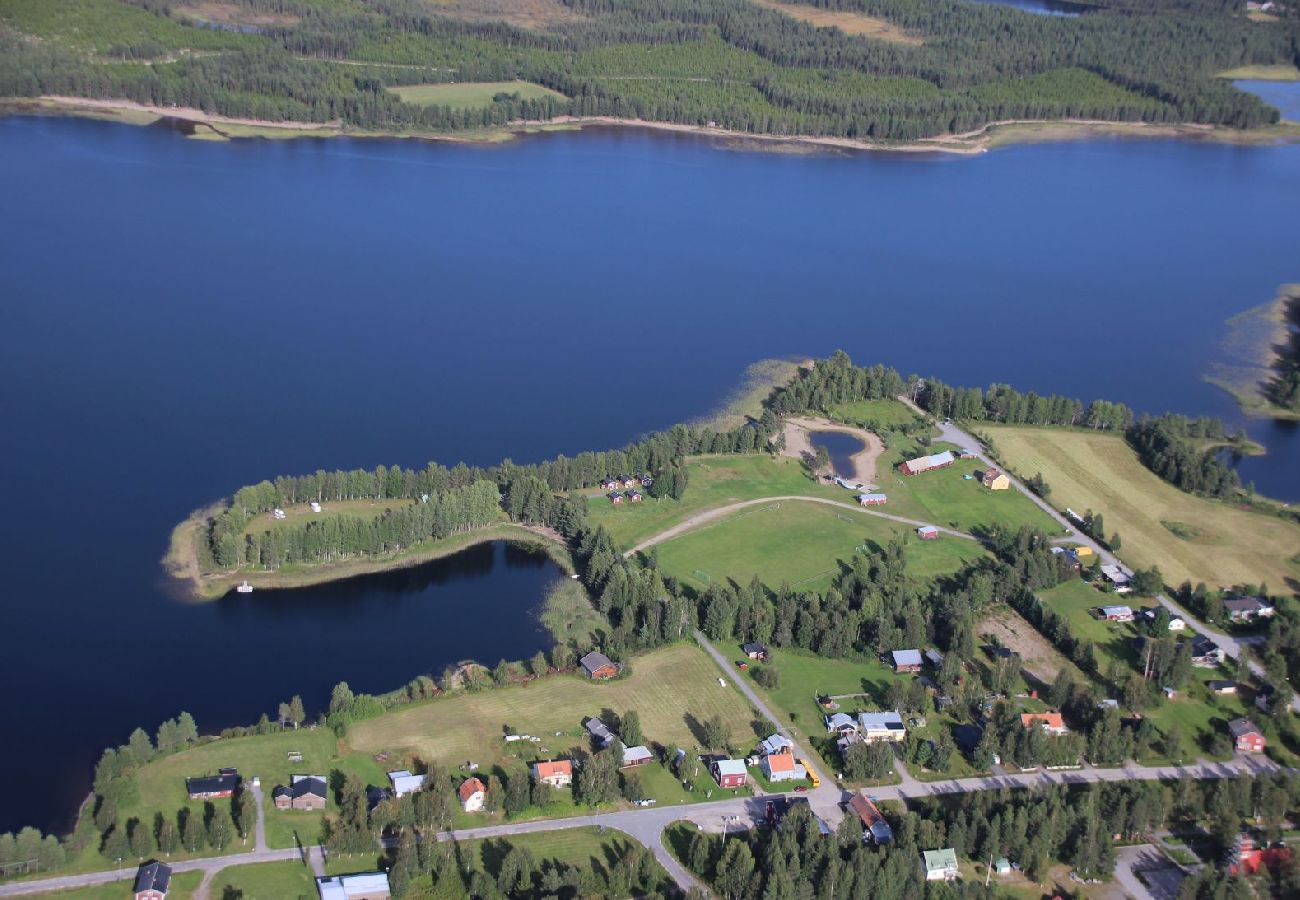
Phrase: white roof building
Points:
(841, 722)
(635, 756)
(776, 744)
(365, 886)
(405, 783)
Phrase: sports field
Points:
(469, 95)
(672, 689)
(1099, 472)
(801, 544)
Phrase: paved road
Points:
(1231, 647)
(709, 515)
(824, 800)
(647, 825)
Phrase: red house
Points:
(1247, 736)
(729, 773)
(598, 665)
(213, 787)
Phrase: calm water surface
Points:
(841, 448)
(181, 318)
(1040, 7)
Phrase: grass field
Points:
(714, 481)
(469, 95)
(586, 848)
(162, 783)
(671, 688)
(301, 514)
(853, 23)
(1100, 472)
(947, 497)
(183, 886)
(266, 881)
(882, 413)
(803, 544)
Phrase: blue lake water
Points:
(840, 447)
(180, 318)
(1040, 7)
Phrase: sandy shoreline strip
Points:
(967, 143)
(799, 442)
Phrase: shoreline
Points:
(188, 583)
(1250, 355)
(991, 136)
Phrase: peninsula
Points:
(870, 653)
(940, 75)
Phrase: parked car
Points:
(741, 664)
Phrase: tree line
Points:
(731, 62)
(1283, 388)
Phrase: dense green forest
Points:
(730, 62)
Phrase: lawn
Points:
(183, 886)
(266, 881)
(1099, 472)
(805, 545)
(301, 514)
(591, 849)
(883, 414)
(947, 497)
(714, 481)
(470, 95)
(673, 689)
(162, 783)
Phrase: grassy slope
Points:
(468, 95)
(804, 544)
(1100, 472)
(162, 783)
(667, 687)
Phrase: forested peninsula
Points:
(889, 72)
(303, 529)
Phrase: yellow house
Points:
(995, 480)
(1081, 551)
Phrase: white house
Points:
(776, 744)
(841, 724)
(782, 767)
(473, 793)
(881, 726)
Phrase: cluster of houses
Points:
(939, 865)
(603, 737)
(625, 487)
(865, 728)
(774, 758)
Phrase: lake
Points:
(181, 318)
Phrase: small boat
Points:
(244, 588)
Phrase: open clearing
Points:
(301, 513)
(671, 688)
(1100, 472)
(469, 95)
(803, 544)
(522, 13)
(857, 24)
(1038, 657)
(883, 414)
(592, 849)
(231, 14)
(1262, 73)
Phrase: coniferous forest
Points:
(733, 63)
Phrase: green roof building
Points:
(940, 865)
